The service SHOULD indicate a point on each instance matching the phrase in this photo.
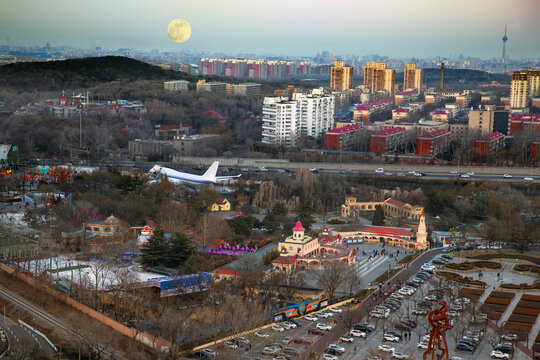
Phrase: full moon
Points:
(179, 30)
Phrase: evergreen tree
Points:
(305, 216)
(155, 251)
(179, 250)
(378, 217)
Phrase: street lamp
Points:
(388, 270)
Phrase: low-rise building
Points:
(463, 100)
(524, 122)
(441, 115)
(433, 143)
(489, 143)
(246, 90)
(364, 111)
(400, 114)
(220, 204)
(405, 96)
(215, 87)
(172, 131)
(176, 85)
(298, 244)
(342, 138)
(387, 140)
(454, 109)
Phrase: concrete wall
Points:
(147, 339)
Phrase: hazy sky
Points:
(401, 28)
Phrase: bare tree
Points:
(332, 277)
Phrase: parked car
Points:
(209, 352)
(399, 355)
(315, 332)
(302, 341)
(231, 344)
(336, 310)
(497, 354)
(270, 350)
(464, 347)
(340, 349)
(391, 337)
(325, 327)
(278, 328)
(509, 337)
(422, 312)
(329, 357)
(358, 333)
(311, 317)
(286, 340)
(422, 345)
(345, 338)
(386, 348)
(261, 334)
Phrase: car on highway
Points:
(324, 327)
(391, 337)
(261, 334)
(329, 357)
(453, 171)
(336, 310)
(399, 355)
(470, 173)
(508, 176)
(386, 348)
(379, 170)
(302, 341)
(358, 333)
(464, 176)
(497, 354)
(400, 174)
(388, 174)
(346, 338)
(278, 328)
(315, 332)
(528, 179)
(311, 317)
(338, 348)
(422, 345)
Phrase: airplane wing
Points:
(225, 178)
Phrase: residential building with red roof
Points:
(406, 96)
(364, 111)
(342, 138)
(433, 143)
(524, 122)
(489, 143)
(172, 131)
(220, 204)
(391, 207)
(400, 114)
(441, 115)
(387, 140)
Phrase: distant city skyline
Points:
(394, 28)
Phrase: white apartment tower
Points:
(285, 121)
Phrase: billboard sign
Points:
(184, 284)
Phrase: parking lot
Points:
(294, 342)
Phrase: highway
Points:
(49, 319)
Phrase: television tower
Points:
(504, 39)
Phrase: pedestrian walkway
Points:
(534, 331)
(509, 309)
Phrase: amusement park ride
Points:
(440, 324)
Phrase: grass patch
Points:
(410, 258)
(459, 279)
(474, 265)
(385, 276)
(363, 293)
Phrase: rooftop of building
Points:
(434, 134)
(177, 82)
(286, 260)
(345, 129)
(389, 131)
(381, 230)
(491, 136)
(369, 105)
(407, 92)
(526, 117)
(401, 110)
(441, 112)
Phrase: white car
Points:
(391, 337)
(425, 338)
(399, 355)
(340, 349)
(291, 324)
(456, 358)
(278, 328)
(386, 348)
(231, 344)
(528, 179)
(311, 317)
(453, 171)
(397, 296)
(324, 314)
(330, 357)
(261, 334)
(508, 176)
(470, 173)
(465, 176)
(388, 174)
(336, 310)
(499, 355)
(285, 326)
(358, 333)
(509, 337)
(325, 327)
(345, 338)
(422, 345)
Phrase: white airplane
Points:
(177, 177)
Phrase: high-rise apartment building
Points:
(285, 121)
(378, 77)
(413, 78)
(525, 85)
(341, 77)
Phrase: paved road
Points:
(341, 328)
(44, 316)
(16, 333)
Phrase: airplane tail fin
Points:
(212, 171)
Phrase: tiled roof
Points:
(284, 260)
(384, 230)
(298, 227)
(168, 127)
(394, 202)
(434, 134)
(227, 272)
(491, 136)
(389, 131)
(344, 129)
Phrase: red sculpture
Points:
(440, 324)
